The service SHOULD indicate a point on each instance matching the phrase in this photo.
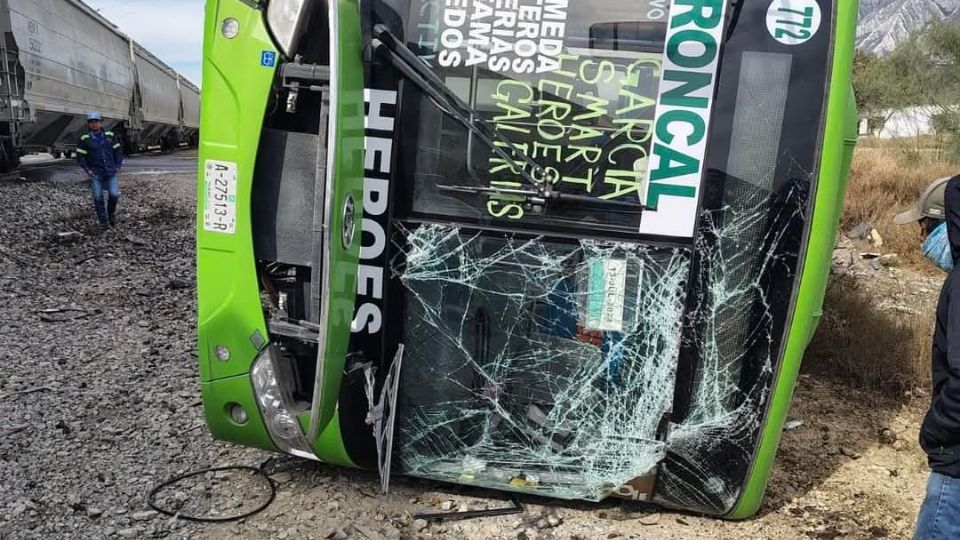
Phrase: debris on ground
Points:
(860, 231)
(890, 260)
(792, 425)
(887, 436)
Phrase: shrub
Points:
(882, 185)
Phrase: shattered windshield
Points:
(571, 86)
(551, 367)
(537, 363)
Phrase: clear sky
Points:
(170, 29)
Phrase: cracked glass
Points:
(539, 364)
(513, 381)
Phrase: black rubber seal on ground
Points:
(201, 519)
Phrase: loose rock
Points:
(860, 231)
(842, 257)
(852, 454)
(144, 516)
(337, 534)
(792, 425)
(887, 436)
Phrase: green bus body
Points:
(240, 88)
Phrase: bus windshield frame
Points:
(738, 262)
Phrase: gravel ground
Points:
(99, 401)
(99, 392)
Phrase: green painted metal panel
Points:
(347, 119)
(236, 90)
(218, 396)
(813, 282)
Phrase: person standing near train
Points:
(100, 155)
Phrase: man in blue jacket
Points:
(100, 155)
(938, 213)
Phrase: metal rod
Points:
(517, 508)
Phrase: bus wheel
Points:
(56, 154)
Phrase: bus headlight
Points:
(281, 422)
(284, 18)
(230, 28)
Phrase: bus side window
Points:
(641, 36)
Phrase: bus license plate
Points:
(220, 209)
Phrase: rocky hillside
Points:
(884, 23)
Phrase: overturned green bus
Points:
(573, 248)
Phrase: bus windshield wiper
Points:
(414, 70)
(546, 195)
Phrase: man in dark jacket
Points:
(938, 213)
(100, 155)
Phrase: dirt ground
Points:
(99, 402)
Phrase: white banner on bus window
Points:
(504, 36)
(682, 122)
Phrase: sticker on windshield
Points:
(671, 190)
(793, 22)
(220, 203)
(605, 301)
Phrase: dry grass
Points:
(882, 185)
(858, 341)
(866, 346)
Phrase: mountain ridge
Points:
(885, 23)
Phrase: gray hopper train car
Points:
(61, 59)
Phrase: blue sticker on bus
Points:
(268, 59)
